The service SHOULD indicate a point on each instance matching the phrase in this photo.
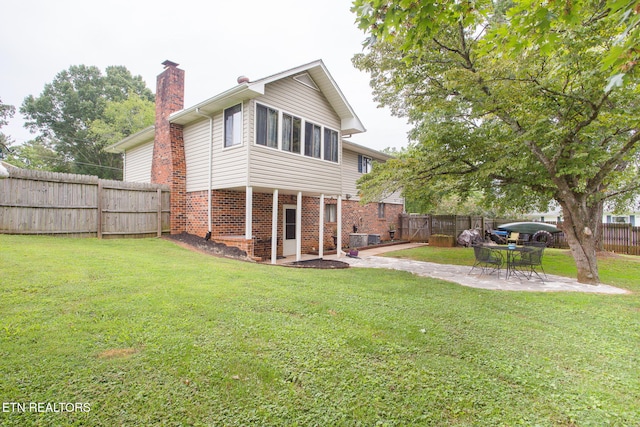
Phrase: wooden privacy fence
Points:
(37, 202)
(619, 238)
(419, 228)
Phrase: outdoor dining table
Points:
(512, 254)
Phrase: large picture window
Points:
(233, 126)
(291, 133)
(277, 129)
(266, 126)
(312, 140)
(330, 145)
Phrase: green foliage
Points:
(38, 154)
(510, 99)
(6, 112)
(533, 25)
(68, 107)
(149, 333)
(121, 119)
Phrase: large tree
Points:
(68, 107)
(509, 98)
(6, 112)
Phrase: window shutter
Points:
(360, 163)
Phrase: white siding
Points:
(395, 198)
(293, 97)
(279, 169)
(137, 164)
(196, 153)
(275, 168)
(350, 176)
(229, 164)
(350, 173)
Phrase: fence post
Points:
(159, 192)
(99, 209)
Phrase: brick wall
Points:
(168, 164)
(228, 218)
(365, 217)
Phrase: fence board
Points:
(620, 238)
(37, 202)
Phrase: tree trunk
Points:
(581, 227)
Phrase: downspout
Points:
(208, 236)
(124, 165)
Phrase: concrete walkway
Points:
(460, 274)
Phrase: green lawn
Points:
(616, 270)
(146, 333)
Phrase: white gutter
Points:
(210, 169)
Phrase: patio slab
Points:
(460, 274)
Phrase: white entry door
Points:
(289, 230)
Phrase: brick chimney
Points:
(168, 164)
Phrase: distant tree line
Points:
(75, 117)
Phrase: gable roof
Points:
(350, 123)
(361, 149)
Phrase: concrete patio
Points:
(369, 258)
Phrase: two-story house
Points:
(263, 166)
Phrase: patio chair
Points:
(487, 259)
(529, 262)
(513, 237)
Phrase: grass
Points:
(148, 333)
(614, 269)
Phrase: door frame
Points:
(289, 246)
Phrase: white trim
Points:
(321, 228)
(299, 226)
(339, 252)
(328, 87)
(145, 135)
(274, 228)
(300, 78)
(224, 126)
(233, 96)
(248, 221)
(303, 124)
(286, 250)
(255, 125)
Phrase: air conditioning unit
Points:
(374, 239)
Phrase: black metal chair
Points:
(529, 261)
(487, 259)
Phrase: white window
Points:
(233, 126)
(277, 129)
(291, 133)
(364, 164)
(266, 126)
(312, 140)
(330, 213)
(330, 145)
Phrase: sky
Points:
(214, 41)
